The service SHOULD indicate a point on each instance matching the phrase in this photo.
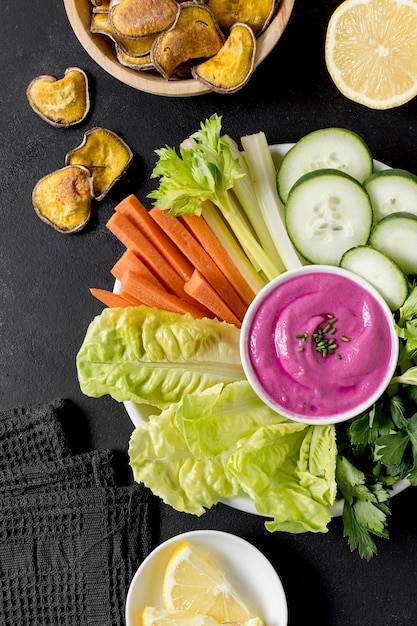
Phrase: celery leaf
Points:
(204, 170)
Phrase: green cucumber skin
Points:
(392, 172)
(319, 255)
(310, 145)
(392, 188)
(384, 238)
(389, 280)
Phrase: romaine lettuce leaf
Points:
(214, 423)
(161, 460)
(224, 442)
(155, 357)
(271, 469)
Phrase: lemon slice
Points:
(152, 616)
(371, 51)
(193, 582)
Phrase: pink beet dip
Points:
(318, 345)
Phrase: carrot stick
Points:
(133, 301)
(200, 289)
(205, 236)
(134, 210)
(151, 296)
(200, 259)
(110, 299)
(136, 241)
(129, 261)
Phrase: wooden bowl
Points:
(101, 49)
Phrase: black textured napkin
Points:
(70, 538)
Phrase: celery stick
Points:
(236, 217)
(246, 195)
(217, 224)
(207, 170)
(224, 202)
(262, 171)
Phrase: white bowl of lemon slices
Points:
(235, 584)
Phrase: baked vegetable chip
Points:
(138, 18)
(61, 102)
(143, 62)
(141, 46)
(255, 13)
(233, 65)
(195, 35)
(63, 198)
(105, 155)
(101, 5)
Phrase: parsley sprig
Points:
(379, 448)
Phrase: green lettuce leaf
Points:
(161, 460)
(214, 423)
(276, 470)
(225, 442)
(156, 357)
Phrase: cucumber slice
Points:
(396, 236)
(380, 271)
(392, 191)
(327, 213)
(335, 148)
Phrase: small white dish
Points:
(246, 568)
(297, 382)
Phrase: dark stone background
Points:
(45, 276)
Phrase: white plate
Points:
(246, 568)
(138, 413)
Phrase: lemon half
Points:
(371, 51)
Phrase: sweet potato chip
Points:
(231, 68)
(101, 4)
(63, 198)
(141, 46)
(61, 102)
(143, 62)
(105, 155)
(195, 35)
(255, 13)
(138, 18)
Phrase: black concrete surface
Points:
(45, 305)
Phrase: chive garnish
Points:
(324, 344)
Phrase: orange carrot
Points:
(151, 296)
(134, 210)
(129, 261)
(133, 301)
(205, 236)
(110, 299)
(200, 289)
(136, 241)
(200, 259)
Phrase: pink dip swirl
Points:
(292, 371)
